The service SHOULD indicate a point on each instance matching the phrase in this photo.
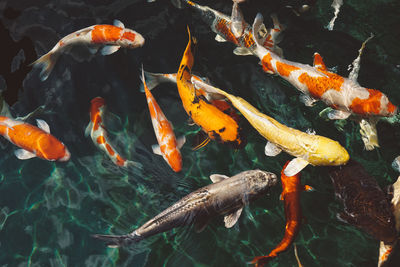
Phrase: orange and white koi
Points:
(218, 125)
(98, 133)
(33, 141)
(291, 190)
(168, 146)
(344, 95)
(235, 30)
(110, 37)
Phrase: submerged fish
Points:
(307, 148)
(227, 195)
(218, 125)
(109, 37)
(235, 30)
(345, 95)
(168, 146)
(291, 190)
(365, 205)
(386, 249)
(98, 133)
(33, 141)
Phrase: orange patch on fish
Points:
(101, 140)
(317, 86)
(266, 63)
(225, 30)
(285, 69)
(248, 40)
(110, 150)
(120, 161)
(372, 105)
(129, 36)
(105, 33)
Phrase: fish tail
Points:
(133, 164)
(114, 241)
(46, 63)
(260, 261)
(153, 80)
(257, 24)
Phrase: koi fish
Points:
(218, 125)
(291, 189)
(109, 37)
(365, 205)
(153, 79)
(33, 141)
(168, 146)
(235, 30)
(344, 95)
(227, 195)
(385, 249)
(308, 148)
(98, 133)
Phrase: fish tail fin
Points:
(153, 80)
(133, 164)
(46, 63)
(260, 261)
(257, 24)
(114, 241)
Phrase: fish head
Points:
(331, 153)
(51, 148)
(387, 107)
(131, 39)
(258, 181)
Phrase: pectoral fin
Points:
(118, 23)
(93, 49)
(109, 49)
(307, 100)
(272, 150)
(295, 166)
(43, 125)
(219, 38)
(181, 141)
(242, 51)
(88, 129)
(338, 114)
(24, 154)
(156, 149)
(231, 219)
(200, 140)
(215, 178)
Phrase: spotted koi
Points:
(344, 95)
(98, 133)
(109, 37)
(168, 146)
(218, 125)
(33, 141)
(235, 30)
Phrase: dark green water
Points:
(48, 211)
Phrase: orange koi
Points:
(291, 189)
(110, 37)
(33, 141)
(344, 95)
(98, 133)
(218, 125)
(168, 146)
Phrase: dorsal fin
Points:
(118, 23)
(318, 62)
